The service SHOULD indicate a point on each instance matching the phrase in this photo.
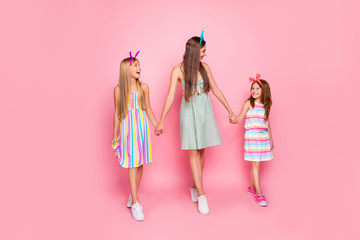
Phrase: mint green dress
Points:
(198, 127)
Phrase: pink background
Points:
(59, 64)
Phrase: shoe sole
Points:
(261, 205)
(204, 213)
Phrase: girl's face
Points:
(202, 53)
(135, 69)
(256, 91)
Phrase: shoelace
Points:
(202, 200)
(137, 206)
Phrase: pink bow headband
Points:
(131, 57)
(251, 79)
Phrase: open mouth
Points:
(138, 72)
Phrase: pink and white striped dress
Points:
(257, 141)
(133, 146)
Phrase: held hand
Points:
(232, 118)
(157, 132)
(113, 141)
(159, 129)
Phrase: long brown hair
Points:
(125, 88)
(192, 66)
(265, 96)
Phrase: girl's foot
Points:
(203, 205)
(194, 194)
(128, 204)
(252, 191)
(136, 211)
(260, 200)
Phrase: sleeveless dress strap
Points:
(181, 70)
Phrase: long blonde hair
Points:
(125, 88)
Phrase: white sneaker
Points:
(203, 205)
(128, 204)
(194, 194)
(136, 211)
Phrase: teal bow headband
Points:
(202, 36)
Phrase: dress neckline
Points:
(184, 75)
(182, 80)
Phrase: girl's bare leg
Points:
(202, 161)
(196, 169)
(256, 176)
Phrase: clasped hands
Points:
(233, 119)
(160, 129)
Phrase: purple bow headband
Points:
(131, 57)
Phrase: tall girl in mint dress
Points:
(198, 129)
(132, 110)
(258, 143)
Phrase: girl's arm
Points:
(216, 90)
(246, 107)
(175, 74)
(149, 111)
(269, 131)
(116, 115)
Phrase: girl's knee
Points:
(135, 170)
(256, 164)
(194, 153)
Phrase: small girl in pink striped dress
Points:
(258, 143)
(132, 111)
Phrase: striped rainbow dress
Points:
(133, 146)
(257, 142)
